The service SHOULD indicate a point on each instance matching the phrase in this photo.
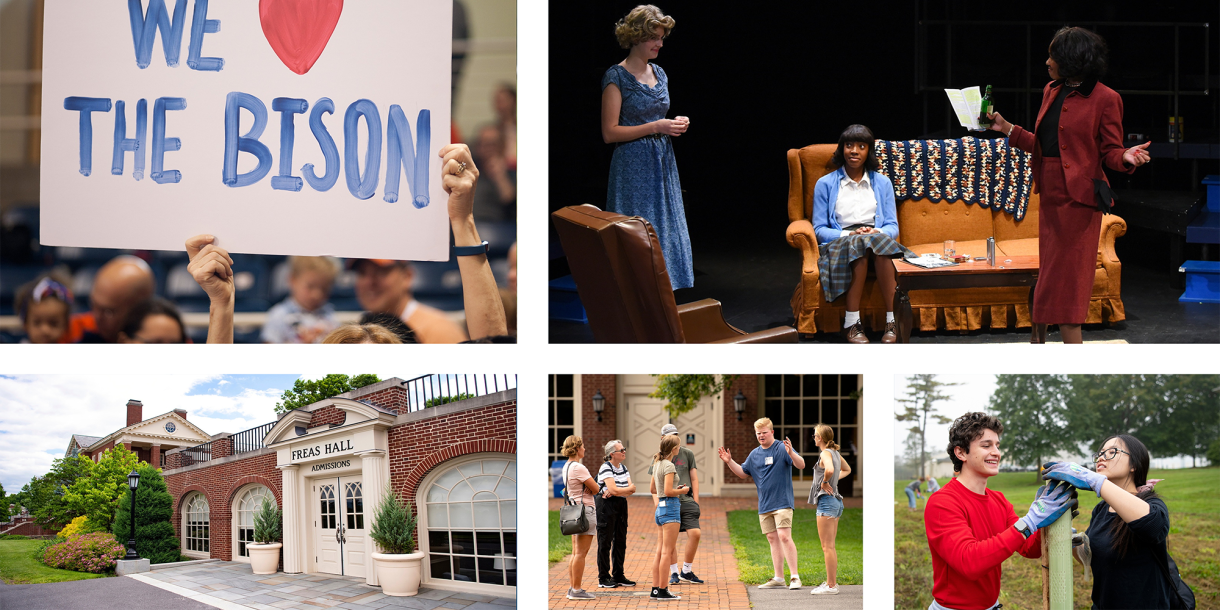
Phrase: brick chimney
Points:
(135, 412)
(181, 413)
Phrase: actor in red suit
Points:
(1079, 128)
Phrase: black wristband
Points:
(471, 250)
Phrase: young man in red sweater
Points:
(971, 529)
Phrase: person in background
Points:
(664, 489)
(825, 495)
(120, 284)
(580, 488)
(384, 286)
(44, 307)
(155, 320)
(611, 504)
(505, 104)
(912, 490)
(512, 267)
(688, 476)
(391, 323)
(770, 465)
(932, 485)
(496, 200)
(361, 334)
(304, 316)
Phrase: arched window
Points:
(197, 526)
(248, 504)
(470, 513)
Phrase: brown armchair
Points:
(620, 274)
(923, 227)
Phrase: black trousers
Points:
(611, 536)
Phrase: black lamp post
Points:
(739, 404)
(599, 404)
(133, 481)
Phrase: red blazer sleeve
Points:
(950, 537)
(1022, 139)
(1110, 135)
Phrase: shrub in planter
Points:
(268, 529)
(399, 568)
(96, 553)
(155, 537)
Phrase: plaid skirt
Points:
(835, 258)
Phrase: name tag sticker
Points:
(769, 460)
(661, 505)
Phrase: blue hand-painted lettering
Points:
(160, 143)
(414, 159)
(144, 28)
(287, 107)
(86, 105)
(201, 25)
(124, 144)
(362, 187)
(248, 143)
(330, 152)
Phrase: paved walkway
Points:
(233, 586)
(98, 592)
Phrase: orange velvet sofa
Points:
(923, 227)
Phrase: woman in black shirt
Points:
(1129, 526)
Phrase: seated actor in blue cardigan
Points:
(855, 221)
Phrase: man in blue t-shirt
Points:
(770, 464)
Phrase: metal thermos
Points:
(991, 251)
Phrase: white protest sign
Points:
(306, 127)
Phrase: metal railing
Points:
(198, 453)
(428, 391)
(250, 440)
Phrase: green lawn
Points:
(17, 567)
(754, 554)
(1193, 498)
(558, 545)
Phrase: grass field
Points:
(1193, 498)
(17, 567)
(558, 546)
(754, 555)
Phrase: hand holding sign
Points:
(211, 266)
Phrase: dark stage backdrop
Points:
(757, 79)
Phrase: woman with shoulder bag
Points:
(1126, 538)
(825, 495)
(580, 488)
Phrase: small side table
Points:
(1022, 271)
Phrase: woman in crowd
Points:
(912, 490)
(154, 320)
(616, 486)
(932, 485)
(582, 489)
(1069, 150)
(855, 221)
(825, 495)
(1129, 526)
(643, 173)
(665, 491)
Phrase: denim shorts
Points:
(829, 506)
(670, 513)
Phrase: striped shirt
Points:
(621, 477)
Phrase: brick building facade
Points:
(327, 467)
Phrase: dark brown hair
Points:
(1138, 455)
(967, 429)
(856, 133)
(154, 306)
(1080, 53)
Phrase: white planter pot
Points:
(399, 575)
(265, 558)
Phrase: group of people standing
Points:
(912, 489)
(674, 486)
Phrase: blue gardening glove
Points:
(1074, 474)
(1047, 507)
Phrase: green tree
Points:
(1193, 421)
(305, 392)
(1213, 453)
(155, 537)
(923, 392)
(682, 392)
(44, 495)
(1033, 409)
(3, 505)
(97, 495)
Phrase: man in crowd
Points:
(611, 506)
(687, 475)
(770, 465)
(118, 286)
(384, 286)
(971, 529)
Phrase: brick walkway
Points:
(714, 562)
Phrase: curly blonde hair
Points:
(571, 446)
(640, 25)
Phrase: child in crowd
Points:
(44, 307)
(305, 316)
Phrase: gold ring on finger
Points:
(461, 168)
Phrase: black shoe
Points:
(690, 577)
(663, 595)
(623, 582)
(673, 579)
(606, 584)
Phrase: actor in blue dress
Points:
(643, 173)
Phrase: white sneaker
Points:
(822, 589)
(795, 583)
(774, 583)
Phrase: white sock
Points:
(673, 569)
(852, 318)
(889, 317)
(795, 576)
(685, 567)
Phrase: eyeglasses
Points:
(623, 450)
(1108, 454)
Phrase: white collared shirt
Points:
(856, 204)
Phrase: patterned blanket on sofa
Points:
(988, 172)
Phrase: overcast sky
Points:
(40, 413)
(973, 394)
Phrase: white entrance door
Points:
(698, 430)
(339, 525)
(641, 434)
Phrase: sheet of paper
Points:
(966, 104)
(284, 148)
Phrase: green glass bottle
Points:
(986, 106)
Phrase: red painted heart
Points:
(298, 30)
